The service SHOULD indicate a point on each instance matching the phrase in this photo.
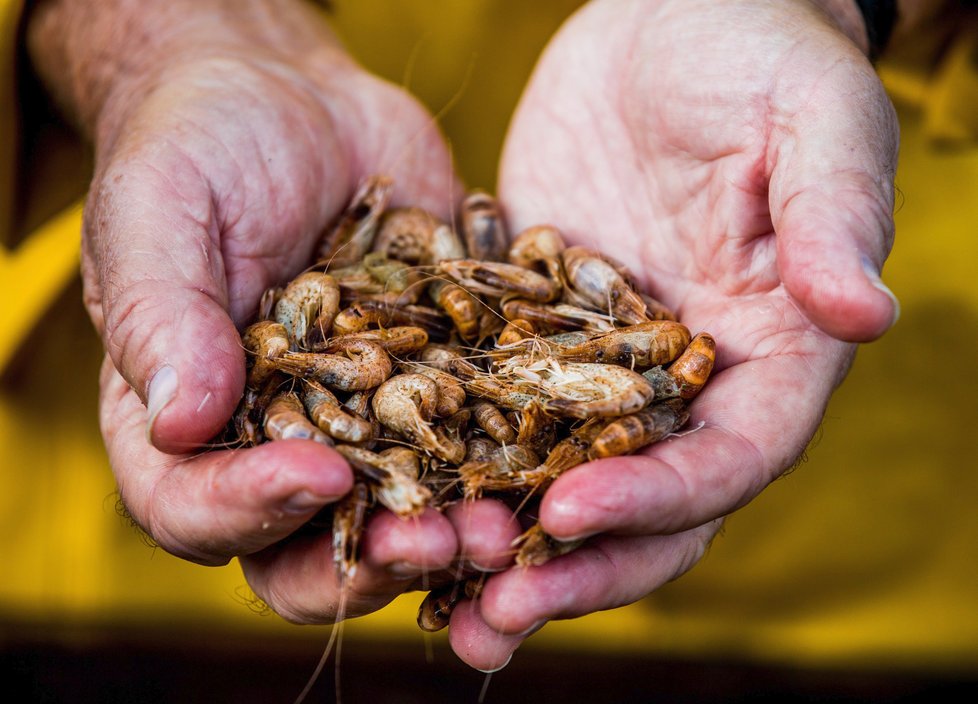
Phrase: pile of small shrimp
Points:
(446, 364)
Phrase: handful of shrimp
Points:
(446, 364)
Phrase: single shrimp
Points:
(308, 304)
(451, 393)
(491, 419)
(497, 279)
(515, 331)
(349, 518)
(405, 403)
(362, 365)
(598, 282)
(394, 476)
(462, 307)
(502, 470)
(539, 246)
(688, 374)
(396, 341)
(536, 547)
(265, 340)
(637, 430)
(363, 314)
(436, 608)
(483, 227)
(642, 345)
(325, 411)
(286, 419)
(351, 236)
(406, 234)
(556, 317)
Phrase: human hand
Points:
(227, 136)
(738, 157)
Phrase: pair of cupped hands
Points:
(738, 156)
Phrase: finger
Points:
(486, 530)
(210, 506)
(162, 304)
(831, 200)
(738, 441)
(604, 573)
(299, 578)
(477, 643)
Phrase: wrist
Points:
(99, 58)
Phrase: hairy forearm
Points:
(95, 56)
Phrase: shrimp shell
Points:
(285, 419)
(325, 411)
(309, 303)
(496, 279)
(537, 547)
(353, 232)
(405, 403)
(595, 279)
(362, 365)
(483, 227)
(632, 432)
(643, 345)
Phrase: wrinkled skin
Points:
(740, 156)
(214, 183)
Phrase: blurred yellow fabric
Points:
(865, 556)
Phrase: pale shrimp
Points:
(394, 475)
(265, 340)
(539, 246)
(451, 393)
(503, 469)
(285, 419)
(308, 305)
(406, 404)
(396, 341)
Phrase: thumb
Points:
(831, 200)
(156, 292)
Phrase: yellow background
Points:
(865, 556)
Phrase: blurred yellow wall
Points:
(864, 556)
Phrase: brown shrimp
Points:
(462, 307)
(632, 432)
(351, 236)
(642, 345)
(436, 608)
(491, 420)
(362, 365)
(451, 393)
(325, 411)
(496, 279)
(483, 227)
(265, 340)
(556, 317)
(536, 547)
(688, 374)
(396, 341)
(363, 314)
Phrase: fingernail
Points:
(304, 501)
(162, 390)
(403, 570)
(472, 564)
(873, 274)
(496, 669)
(532, 629)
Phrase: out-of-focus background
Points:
(854, 578)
